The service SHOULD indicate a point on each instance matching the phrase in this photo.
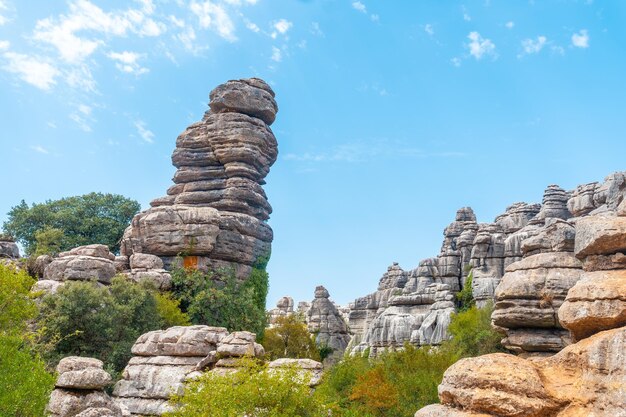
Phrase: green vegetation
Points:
(289, 338)
(399, 383)
(219, 299)
(85, 319)
(25, 385)
(59, 225)
(252, 391)
(465, 297)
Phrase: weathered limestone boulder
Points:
(145, 267)
(438, 410)
(216, 212)
(46, 286)
(82, 263)
(528, 299)
(239, 344)
(8, 248)
(162, 361)
(600, 235)
(308, 369)
(554, 204)
(252, 97)
(584, 379)
(284, 307)
(487, 262)
(597, 302)
(41, 262)
(326, 322)
(79, 390)
(596, 198)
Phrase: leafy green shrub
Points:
(49, 241)
(251, 391)
(169, 311)
(86, 219)
(398, 383)
(86, 319)
(24, 383)
(217, 298)
(465, 297)
(289, 338)
(472, 334)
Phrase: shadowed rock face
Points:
(326, 322)
(216, 210)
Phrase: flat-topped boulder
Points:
(83, 263)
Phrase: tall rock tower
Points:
(215, 215)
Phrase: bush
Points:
(472, 334)
(86, 319)
(82, 220)
(24, 383)
(217, 298)
(169, 311)
(398, 383)
(251, 391)
(465, 297)
(290, 338)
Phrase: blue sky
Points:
(392, 114)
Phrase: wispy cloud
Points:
(31, 69)
(510, 24)
(365, 151)
(214, 16)
(480, 47)
(277, 55)
(82, 117)
(581, 39)
(144, 132)
(466, 15)
(40, 149)
(316, 30)
(280, 27)
(127, 62)
(428, 28)
(4, 45)
(533, 46)
(357, 5)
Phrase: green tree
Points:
(49, 241)
(290, 338)
(472, 334)
(86, 219)
(86, 319)
(25, 385)
(465, 297)
(218, 298)
(250, 391)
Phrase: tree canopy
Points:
(59, 225)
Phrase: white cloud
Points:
(466, 15)
(253, 27)
(429, 29)
(316, 30)
(84, 109)
(479, 46)
(581, 39)
(375, 18)
(357, 5)
(214, 16)
(531, 46)
(4, 45)
(33, 70)
(510, 24)
(80, 77)
(188, 39)
(127, 62)
(277, 55)
(144, 132)
(81, 121)
(456, 61)
(40, 149)
(282, 26)
(3, 19)
(176, 21)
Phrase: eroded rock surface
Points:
(326, 322)
(216, 211)
(83, 263)
(79, 390)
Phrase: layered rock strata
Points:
(215, 213)
(586, 378)
(83, 263)
(284, 307)
(325, 321)
(234, 347)
(79, 390)
(8, 248)
(161, 363)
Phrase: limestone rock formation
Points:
(162, 361)
(79, 390)
(82, 263)
(324, 320)
(284, 307)
(8, 248)
(145, 267)
(307, 368)
(216, 211)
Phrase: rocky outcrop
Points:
(311, 371)
(145, 267)
(8, 248)
(325, 321)
(83, 263)
(234, 347)
(79, 390)
(215, 213)
(161, 363)
(586, 378)
(284, 307)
